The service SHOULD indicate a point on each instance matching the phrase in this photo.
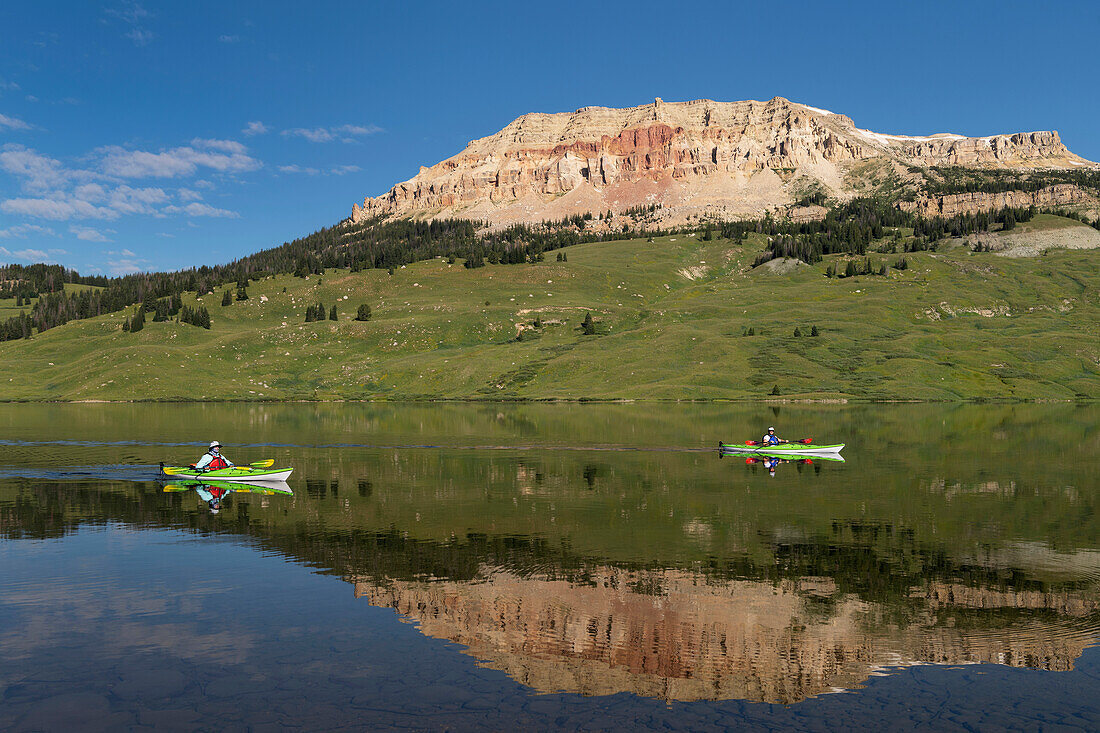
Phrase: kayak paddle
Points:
(173, 470)
(804, 441)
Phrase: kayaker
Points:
(770, 438)
(213, 459)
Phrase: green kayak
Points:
(233, 473)
(781, 449)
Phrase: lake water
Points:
(596, 567)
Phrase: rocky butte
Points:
(699, 158)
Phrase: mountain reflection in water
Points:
(665, 573)
(677, 635)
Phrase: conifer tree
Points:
(587, 326)
(363, 314)
(332, 313)
(227, 299)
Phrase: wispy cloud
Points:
(12, 123)
(255, 128)
(126, 266)
(200, 209)
(298, 169)
(22, 231)
(343, 133)
(57, 208)
(134, 15)
(224, 156)
(339, 170)
(141, 36)
(40, 172)
(229, 39)
(30, 255)
(89, 234)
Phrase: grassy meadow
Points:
(670, 315)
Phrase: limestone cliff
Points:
(699, 157)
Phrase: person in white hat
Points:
(770, 438)
(213, 459)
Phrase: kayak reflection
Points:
(770, 462)
(215, 492)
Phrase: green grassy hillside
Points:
(670, 317)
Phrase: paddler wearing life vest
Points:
(770, 438)
(213, 459)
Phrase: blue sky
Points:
(157, 135)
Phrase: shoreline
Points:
(569, 401)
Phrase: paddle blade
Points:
(263, 464)
(751, 442)
(173, 470)
(806, 441)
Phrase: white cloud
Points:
(118, 268)
(88, 234)
(8, 86)
(298, 169)
(255, 128)
(134, 15)
(21, 231)
(13, 123)
(228, 146)
(197, 209)
(92, 192)
(57, 208)
(344, 169)
(33, 255)
(126, 200)
(141, 36)
(224, 156)
(359, 129)
(41, 172)
(186, 194)
(344, 133)
(229, 39)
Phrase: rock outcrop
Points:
(1062, 194)
(699, 157)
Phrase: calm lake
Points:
(596, 567)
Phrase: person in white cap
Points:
(770, 438)
(213, 459)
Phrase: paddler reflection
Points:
(215, 493)
(770, 463)
(212, 495)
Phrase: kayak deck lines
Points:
(234, 473)
(782, 448)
